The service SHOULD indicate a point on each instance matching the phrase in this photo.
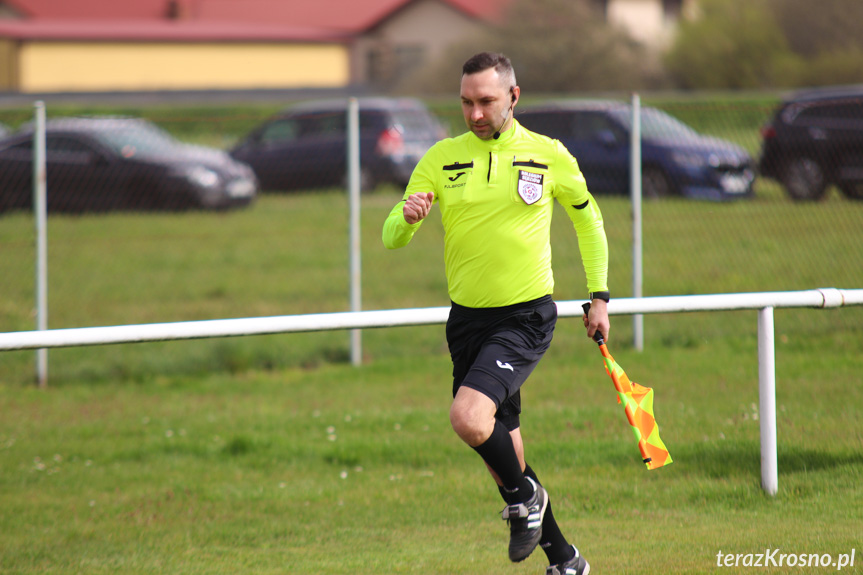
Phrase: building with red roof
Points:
(106, 45)
(99, 45)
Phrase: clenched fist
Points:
(417, 206)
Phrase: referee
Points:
(495, 187)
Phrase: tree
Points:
(816, 28)
(555, 46)
(731, 44)
(827, 36)
(566, 45)
(769, 43)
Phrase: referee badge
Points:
(529, 186)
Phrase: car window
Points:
(549, 124)
(414, 121)
(280, 131)
(325, 124)
(374, 120)
(580, 125)
(21, 152)
(67, 150)
(65, 144)
(305, 126)
(588, 125)
(136, 138)
(835, 114)
(656, 124)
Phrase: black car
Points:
(101, 164)
(676, 160)
(306, 146)
(814, 140)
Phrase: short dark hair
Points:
(485, 60)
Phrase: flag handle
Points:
(597, 335)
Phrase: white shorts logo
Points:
(506, 365)
(529, 186)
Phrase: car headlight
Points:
(689, 159)
(202, 177)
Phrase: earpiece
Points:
(511, 106)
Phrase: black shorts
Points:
(494, 350)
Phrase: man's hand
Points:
(597, 319)
(417, 206)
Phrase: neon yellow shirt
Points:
(495, 198)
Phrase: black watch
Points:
(603, 295)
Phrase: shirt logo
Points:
(457, 176)
(529, 186)
(505, 366)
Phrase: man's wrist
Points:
(603, 295)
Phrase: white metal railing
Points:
(764, 302)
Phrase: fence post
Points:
(635, 191)
(40, 210)
(767, 401)
(354, 193)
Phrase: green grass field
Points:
(272, 454)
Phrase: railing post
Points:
(636, 194)
(40, 210)
(767, 401)
(354, 188)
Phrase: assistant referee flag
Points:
(637, 401)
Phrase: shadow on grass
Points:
(732, 459)
(141, 363)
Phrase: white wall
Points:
(644, 20)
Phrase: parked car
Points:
(306, 146)
(99, 164)
(676, 160)
(814, 140)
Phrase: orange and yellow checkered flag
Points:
(637, 401)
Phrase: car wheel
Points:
(655, 184)
(852, 190)
(804, 179)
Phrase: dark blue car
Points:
(306, 145)
(676, 160)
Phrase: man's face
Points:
(485, 103)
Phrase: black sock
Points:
(499, 453)
(556, 547)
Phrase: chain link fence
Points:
(202, 238)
